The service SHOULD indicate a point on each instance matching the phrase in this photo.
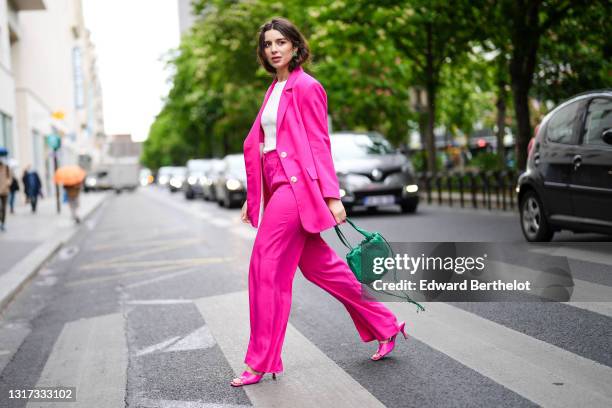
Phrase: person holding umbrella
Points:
(6, 177)
(71, 178)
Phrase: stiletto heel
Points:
(386, 348)
(247, 378)
(402, 326)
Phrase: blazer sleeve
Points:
(314, 115)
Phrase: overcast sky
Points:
(130, 37)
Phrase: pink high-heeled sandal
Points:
(248, 377)
(386, 348)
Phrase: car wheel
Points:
(409, 207)
(534, 223)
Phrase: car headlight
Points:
(192, 180)
(202, 180)
(412, 188)
(342, 192)
(232, 184)
(91, 182)
(163, 179)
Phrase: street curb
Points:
(16, 278)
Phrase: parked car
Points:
(177, 178)
(230, 186)
(145, 176)
(372, 173)
(210, 179)
(196, 170)
(568, 181)
(97, 180)
(163, 175)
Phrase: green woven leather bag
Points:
(361, 258)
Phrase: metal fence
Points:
(479, 189)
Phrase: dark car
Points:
(230, 186)
(372, 173)
(196, 171)
(568, 181)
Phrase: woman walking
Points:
(292, 196)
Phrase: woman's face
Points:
(278, 49)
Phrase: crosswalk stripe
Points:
(589, 296)
(539, 371)
(314, 380)
(91, 355)
(152, 403)
(596, 255)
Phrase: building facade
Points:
(49, 85)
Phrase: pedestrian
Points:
(32, 187)
(72, 192)
(12, 193)
(6, 176)
(289, 167)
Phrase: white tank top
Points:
(268, 117)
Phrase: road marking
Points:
(199, 339)
(135, 244)
(166, 267)
(578, 253)
(161, 278)
(314, 380)
(152, 403)
(208, 217)
(157, 347)
(589, 296)
(523, 364)
(91, 355)
(163, 262)
(158, 302)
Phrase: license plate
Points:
(379, 200)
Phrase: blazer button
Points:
(283, 154)
(293, 179)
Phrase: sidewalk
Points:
(31, 239)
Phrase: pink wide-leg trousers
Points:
(281, 245)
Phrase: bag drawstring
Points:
(368, 235)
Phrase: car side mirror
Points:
(607, 136)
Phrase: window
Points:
(560, 128)
(6, 129)
(599, 118)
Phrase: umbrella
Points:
(3, 151)
(69, 175)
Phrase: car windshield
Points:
(348, 146)
(198, 166)
(236, 163)
(179, 171)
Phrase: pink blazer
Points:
(302, 143)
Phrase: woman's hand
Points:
(243, 215)
(337, 209)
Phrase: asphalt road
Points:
(146, 307)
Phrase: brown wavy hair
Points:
(290, 32)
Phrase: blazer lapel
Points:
(286, 96)
(255, 135)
